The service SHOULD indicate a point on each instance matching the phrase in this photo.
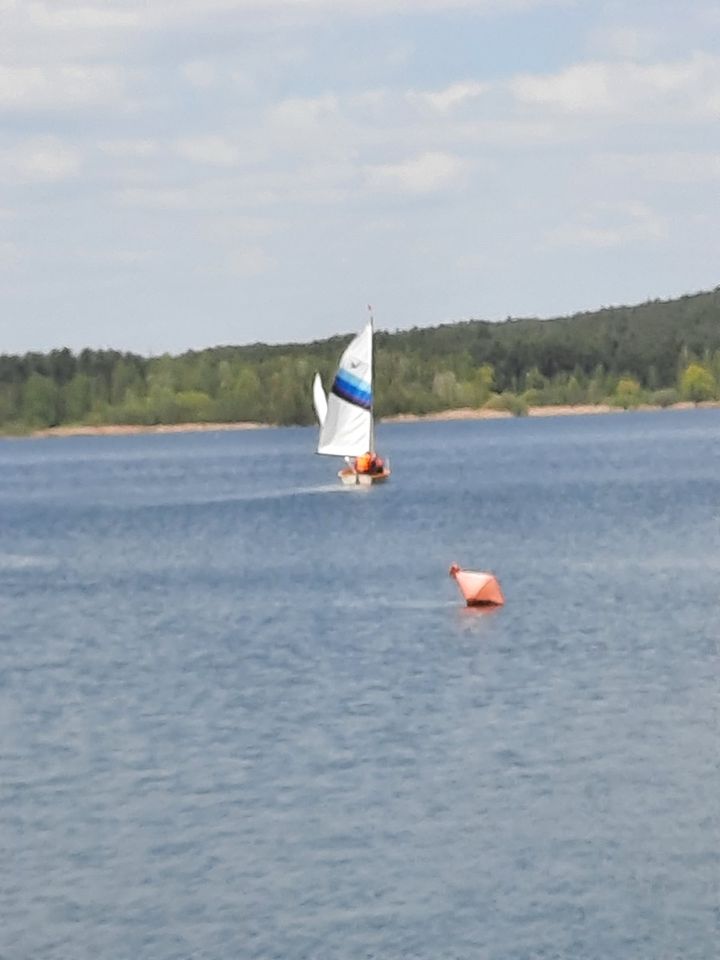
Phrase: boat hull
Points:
(351, 478)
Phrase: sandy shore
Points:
(119, 429)
(463, 413)
(566, 410)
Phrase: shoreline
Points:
(556, 410)
(461, 413)
(130, 429)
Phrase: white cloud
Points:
(677, 167)
(399, 55)
(45, 159)
(129, 258)
(115, 257)
(626, 42)
(298, 113)
(129, 148)
(249, 135)
(322, 126)
(248, 261)
(124, 13)
(200, 73)
(157, 198)
(226, 227)
(9, 255)
(473, 262)
(688, 86)
(581, 87)
(66, 86)
(42, 31)
(64, 16)
(577, 235)
(610, 225)
(212, 196)
(450, 97)
(512, 132)
(424, 174)
(212, 150)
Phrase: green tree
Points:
(77, 398)
(40, 405)
(534, 380)
(126, 376)
(445, 387)
(574, 393)
(193, 406)
(627, 392)
(9, 402)
(240, 394)
(697, 383)
(597, 389)
(607, 355)
(483, 383)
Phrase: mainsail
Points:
(319, 399)
(347, 429)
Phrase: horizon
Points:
(237, 171)
(377, 329)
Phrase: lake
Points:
(244, 714)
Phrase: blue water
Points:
(243, 713)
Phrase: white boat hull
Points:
(350, 478)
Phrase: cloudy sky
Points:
(184, 173)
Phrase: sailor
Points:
(363, 463)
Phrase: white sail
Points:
(348, 426)
(319, 399)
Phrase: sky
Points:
(178, 174)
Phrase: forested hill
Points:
(657, 352)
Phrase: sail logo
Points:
(352, 389)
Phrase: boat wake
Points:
(260, 495)
(394, 603)
(23, 561)
(291, 492)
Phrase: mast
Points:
(372, 382)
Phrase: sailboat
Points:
(347, 427)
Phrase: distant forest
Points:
(658, 352)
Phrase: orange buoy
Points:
(478, 589)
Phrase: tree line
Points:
(658, 352)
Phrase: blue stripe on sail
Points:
(353, 389)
